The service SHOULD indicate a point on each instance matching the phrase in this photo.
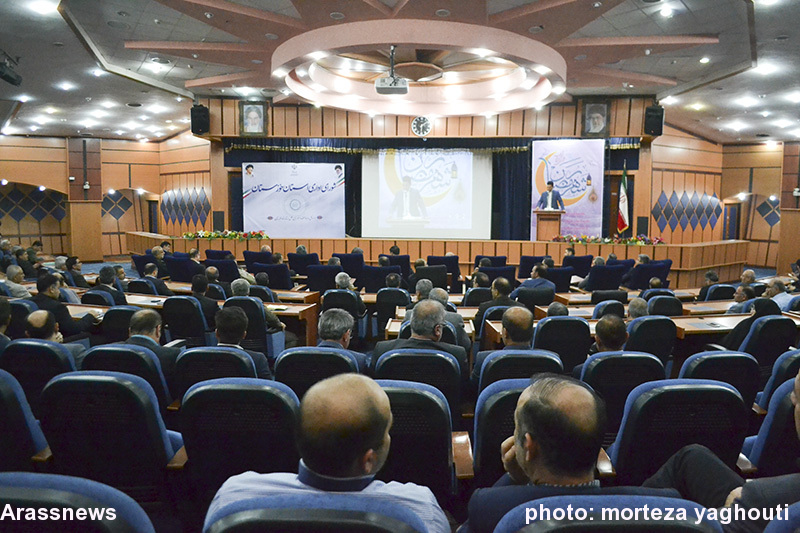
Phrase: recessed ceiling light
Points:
(209, 15)
(155, 67)
(279, 72)
(737, 125)
(767, 2)
(597, 5)
(98, 72)
(256, 61)
(705, 60)
(794, 97)
(144, 117)
(140, 190)
(155, 108)
(42, 188)
(772, 144)
(131, 125)
(697, 106)
(765, 69)
(783, 123)
(160, 60)
(24, 98)
(765, 114)
(66, 86)
(4, 182)
(742, 196)
(34, 128)
(337, 15)
(669, 100)
(559, 89)
(536, 29)
(133, 104)
(123, 14)
(43, 7)
(746, 101)
(482, 52)
(50, 110)
(666, 12)
(442, 12)
(111, 191)
(270, 36)
(117, 25)
(319, 54)
(99, 113)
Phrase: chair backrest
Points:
(613, 375)
(652, 334)
(139, 261)
(279, 277)
(720, 291)
(530, 298)
(106, 426)
(526, 264)
(786, 367)
(254, 418)
(794, 303)
(256, 337)
(386, 302)
(421, 432)
(351, 263)
(789, 525)
(51, 492)
(215, 291)
(34, 362)
(263, 293)
(184, 319)
(450, 261)
(180, 269)
(776, 450)
(475, 296)
(20, 435)
(494, 272)
(736, 368)
(664, 305)
(4, 290)
(494, 422)
(627, 264)
(228, 269)
(142, 286)
(216, 255)
(437, 274)
(97, 297)
(317, 513)
(341, 299)
(322, 277)
(211, 362)
(68, 277)
(300, 368)
(641, 274)
(602, 296)
(513, 364)
(609, 307)
(561, 277)
(568, 336)
(661, 417)
(373, 278)
(300, 262)
(492, 313)
(604, 277)
(581, 263)
(650, 293)
(769, 337)
(403, 261)
(130, 359)
(758, 288)
(250, 258)
(20, 309)
(497, 260)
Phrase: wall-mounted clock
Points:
(421, 126)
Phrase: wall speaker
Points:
(218, 220)
(654, 120)
(200, 119)
(642, 224)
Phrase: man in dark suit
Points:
(231, 329)
(441, 296)
(643, 259)
(195, 267)
(5, 320)
(74, 266)
(710, 278)
(42, 325)
(209, 306)
(336, 329)
(212, 274)
(158, 255)
(559, 426)
(517, 334)
(150, 271)
(145, 331)
(501, 288)
(47, 299)
(550, 199)
(27, 267)
(426, 333)
(408, 202)
(105, 282)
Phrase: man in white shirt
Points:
(15, 277)
(777, 291)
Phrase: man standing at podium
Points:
(550, 199)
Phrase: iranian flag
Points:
(622, 216)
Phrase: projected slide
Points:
(294, 200)
(423, 193)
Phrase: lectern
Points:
(548, 224)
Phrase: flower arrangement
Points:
(639, 240)
(227, 234)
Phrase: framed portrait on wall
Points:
(595, 118)
(253, 118)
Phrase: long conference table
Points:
(719, 307)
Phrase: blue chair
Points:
(664, 267)
(609, 307)
(785, 367)
(497, 260)
(50, 492)
(68, 277)
(317, 511)
(453, 269)
(650, 293)
(351, 263)
(437, 274)
(216, 255)
(251, 258)
(211, 362)
(255, 419)
(493, 313)
(602, 296)
(139, 261)
(561, 277)
(769, 337)
(20, 309)
(300, 368)
(300, 262)
(97, 297)
(507, 272)
(106, 426)
(184, 319)
(386, 302)
(20, 435)
(539, 296)
(602, 518)
(347, 300)
(654, 335)
(258, 337)
(228, 269)
(627, 264)
(448, 332)
(735, 368)
(263, 293)
(789, 525)
(664, 305)
(403, 261)
(581, 263)
(4, 290)
(775, 450)
(322, 277)
(279, 278)
(373, 278)
(34, 362)
(720, 291)
(641, 274)
(142, 286)
(494, 422)
(661, 417)
(794, 304)
(758, 288)
(568, 336)
(475, 296)
(603, 277)
(526, 264)
(215, 291)
(514, 364)
(180, 269)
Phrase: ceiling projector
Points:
(391, 85)
(8, 74)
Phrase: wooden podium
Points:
(548, 224)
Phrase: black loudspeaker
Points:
(200, 119)
(641, 225)
(654, 120)
(218, 220)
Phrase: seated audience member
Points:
(484, 262)
(383, 261)
(549, 262)
(569, 251)
(597, 261)
(557, 309)
(150, 271)
(34, 252)
(212, 274)
(777, 291)
(74, 267)
(119, 270)
(231, 329)
(610, 335)
(262, 279)
(412, 279)
(481, 279)
(14, 277)
(208, 306)
(441, 296)
(145, 331)
(740, 297)
(611, 257)
(277, 259)
(5, 254)
(426, 334)
(559, 425)
(167, 247)
(343, 281)
(335, 330)
(748, 277)
(343, 438)
(536, 280)
(195, 267)
(42, 325)
(761, 307)
(158, 254)
(30, 269)
(357, 250)
(240, 287)
(637, 307)
(5, 320)
(394, 250)
(643, 259)
(242, 272)
(68, 296)
(501, 288)
(710, 278)
(334, 261)
(654, 283)
(266, 248)
(301, 249)
(422, 289)
(60, 263)
(701, 477)
(47, 299)
(517, 334)
(105, 282)
(393, 280)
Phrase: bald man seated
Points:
(748, 277)
(517, 334)
(42, 325)
(343, 440)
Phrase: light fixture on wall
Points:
(86, 186)
(742, 196)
